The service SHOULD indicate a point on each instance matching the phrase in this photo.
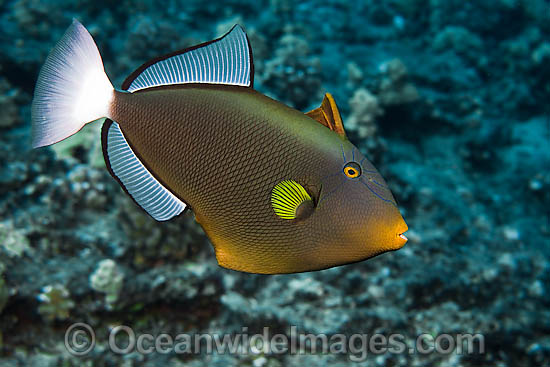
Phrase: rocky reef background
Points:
(449, 99)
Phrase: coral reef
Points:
(365, 108)
(12, 241)
(293, 73)
(449, 99)
(9, 112)
(56, 302)
(4, 291)
(394, 88)
(108, 279)
(83, 147)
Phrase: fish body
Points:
(275, 190)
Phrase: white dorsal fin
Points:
(227, 60)
(136, 179)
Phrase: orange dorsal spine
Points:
(328, 115)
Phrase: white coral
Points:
(108, 279)
(364, 110)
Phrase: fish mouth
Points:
(400, 240)
(401, 229)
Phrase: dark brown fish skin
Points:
(222, 149)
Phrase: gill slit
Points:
(334, 190)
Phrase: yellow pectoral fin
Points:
(328, 115)
(290, 200)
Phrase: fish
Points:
(276, 190)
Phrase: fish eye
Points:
(352, 170)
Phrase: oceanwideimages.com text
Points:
(80, 340)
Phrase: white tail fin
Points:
(72, 88)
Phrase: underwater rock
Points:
(149, 37)
(9, 112)
(173, 242)
(459, 40)
(4, 291)
(540, 69)
(295, 71)
(541, 53)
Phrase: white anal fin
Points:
(135, 178)
(226, 60)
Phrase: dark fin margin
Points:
(129, 80)
(104, 133)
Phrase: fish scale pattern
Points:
(221, 150)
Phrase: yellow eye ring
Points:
(352, 170)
